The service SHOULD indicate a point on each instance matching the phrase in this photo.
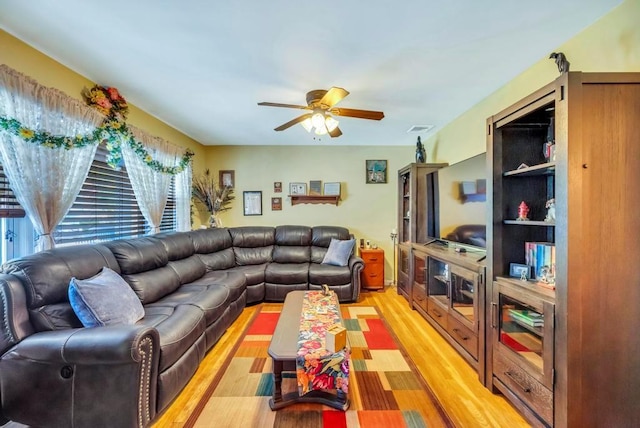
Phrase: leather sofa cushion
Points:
(139, 254)
(253, 273)
(177, 244)
(292, 244)
(252, 245)
(179, 327)
(235, 282)
(287, 273)
(329, 274)
(153, 284)
(207, 241)
(212, 300)
(221, 259)
(188, 269)
(321, 239)
(46, 276)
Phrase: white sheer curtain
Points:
(183, 199)
(150, 187)
(45, 180)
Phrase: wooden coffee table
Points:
(283, 349)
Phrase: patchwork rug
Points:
(386, 390)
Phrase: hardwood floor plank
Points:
(451, 379)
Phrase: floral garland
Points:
(112, 130)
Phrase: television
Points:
(460, 201)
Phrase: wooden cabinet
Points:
(448, 291)
(417, 200)
(584, 368)
(404, 266)
(372, 276)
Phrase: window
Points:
(9, 206)
(106, 208)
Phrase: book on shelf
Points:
(541, 256)
(527, 317)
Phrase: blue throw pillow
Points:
(339, 252)
(104, 299)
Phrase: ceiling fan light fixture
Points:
(331, 123)
(307, 124)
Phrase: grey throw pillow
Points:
(339, 252)
(104, 299)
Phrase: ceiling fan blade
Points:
(293, 122)
(283, 105)
(335, 133)
(361, 114)
(333, 96)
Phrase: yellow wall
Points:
(368, 210)
(48, 72)
(611, 44)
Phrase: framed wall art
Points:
(376, 171)
(227, 178)
(252, 202)
(277, 187)
(276, 204)
(315, 187)
(332, 189)
(297, 188)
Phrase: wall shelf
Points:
(314, 199)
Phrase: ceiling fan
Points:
(320, 118)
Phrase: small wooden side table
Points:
(372, 276)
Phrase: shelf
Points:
(541, 169)
(530, 223)
(441, 278)
(314, 199)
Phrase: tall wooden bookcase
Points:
(417, 214)
(586, 371)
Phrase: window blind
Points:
(9, 206)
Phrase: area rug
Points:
(386, 390)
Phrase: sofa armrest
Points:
(356, 265)
(104, 376)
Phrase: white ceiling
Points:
(203, 65)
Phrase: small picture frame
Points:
(315, 187)
(297, 188)
(376, 171)
(252, 202)
(277, 187)
(332, 188)
(276, 204)
(227, 178)
(517, 270)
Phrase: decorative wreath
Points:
(108, 101)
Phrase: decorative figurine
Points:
(549, 147)
(421, 154)
(523, 211)
(561, 61)
(551, 210)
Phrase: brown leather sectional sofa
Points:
(193, 285)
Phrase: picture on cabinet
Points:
(376, 171)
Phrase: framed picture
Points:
(516, 270)
(376, 171)
(227, 178)
(315, 187)
(276, 204)
(277, 187)
(252, 202)
(332, 189)
(297, 188)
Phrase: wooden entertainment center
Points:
(563, 346)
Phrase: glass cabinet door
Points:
(438, 284)
(525, 331)
(463, 301)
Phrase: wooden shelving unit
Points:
(314, 199)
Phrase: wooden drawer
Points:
(463, 335)
(528, 389)
(373, 279)
(419, 296)
(437, 312)
(371, 257)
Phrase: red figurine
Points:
(523, 211)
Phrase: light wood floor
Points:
(453, 381)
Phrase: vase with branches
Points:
(213, 197)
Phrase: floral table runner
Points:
(316, 367)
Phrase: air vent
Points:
(420, 128)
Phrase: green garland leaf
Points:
(112, 130)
